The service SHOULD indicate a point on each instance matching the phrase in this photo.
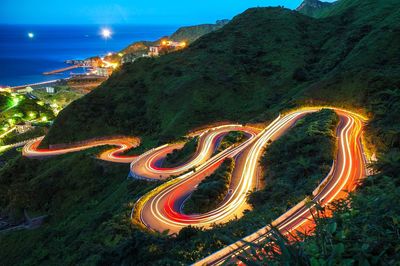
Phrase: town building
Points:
(103, 71)
(154, 51)
(50, 90)
(24, 90)
(23, 127)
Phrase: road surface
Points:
(161, 209)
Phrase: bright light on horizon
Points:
(106, 33)
(31, 35)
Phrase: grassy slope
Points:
(314, 8)
(308, 163)
(85, 200)
(233, 137)
(192, 244)
(248, 72)
(212, 190)
(192, 33)
(187, 34)
(180, 156)
(351, 59)
(244, 71)
(88, 217)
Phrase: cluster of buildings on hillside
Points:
(99, 68)
(164, 47)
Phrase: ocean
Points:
(24, 59)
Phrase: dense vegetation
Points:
(212, 190)
(264, 61)
(179, 156)
(86, 203)
(187, 34)
(37, 131)
(89, 219)
(338, 60)
(3, 101)
(62, 97)
(20, 109)
(192, 33)
(314, 8)
(364, 229)
(230, 139)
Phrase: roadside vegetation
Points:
(212, 190)
(265, 61)
(179, 156)
(87, 203)
(38, 131)
(19, 109)
(62, 97)
(233, 137)
(86, 200)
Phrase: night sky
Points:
(127, 11)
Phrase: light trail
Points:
(348, 169)
(32, 150)
(161, 209)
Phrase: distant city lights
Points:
(31, 35)
(106, 33)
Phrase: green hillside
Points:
(245, 71)
(314, 8)
(191, 33)
(187, 34)
(264, 61)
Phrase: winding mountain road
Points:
(161, 209)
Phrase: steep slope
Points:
(191, 33)
(313, 8)
(187, 34)
(265, 60)
(244, 71)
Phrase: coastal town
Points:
(28, 111)
(97, 69)
(47, 99)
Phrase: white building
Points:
(50, 90)
(154, 51)
(25, 90)
(23, 127)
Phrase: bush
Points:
(212, 190)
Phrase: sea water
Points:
(23, 59)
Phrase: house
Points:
(50, 90)
(23, 127)
(154, 51)
(25, 90)
(103, 71)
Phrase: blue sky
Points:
(110, 12)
